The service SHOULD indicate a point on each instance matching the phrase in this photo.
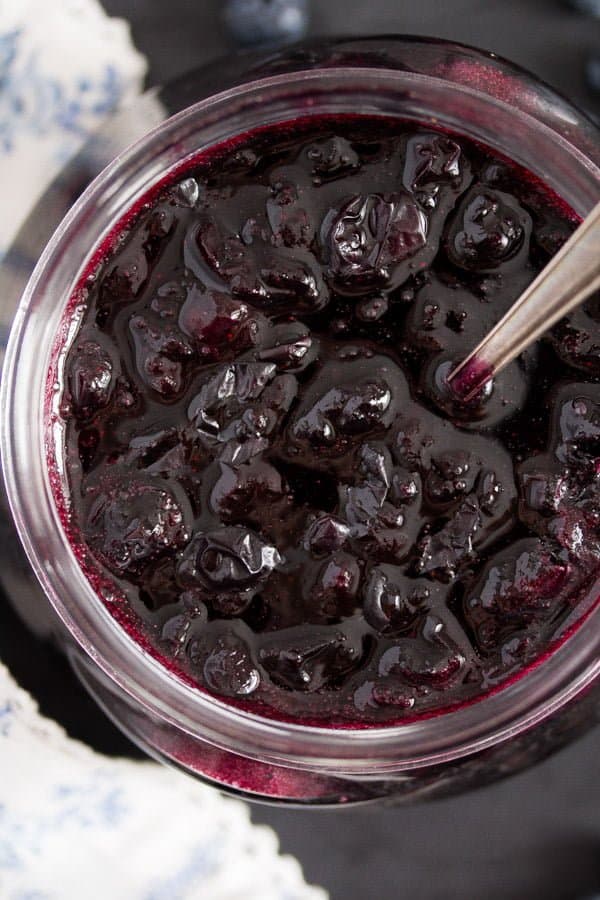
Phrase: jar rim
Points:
(531, 696)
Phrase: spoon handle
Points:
(568, 279)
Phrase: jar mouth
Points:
(33, 486)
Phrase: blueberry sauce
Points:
(264, 459)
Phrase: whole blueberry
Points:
(266, 21)
(592, 72)
(589, 7)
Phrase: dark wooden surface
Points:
(533, 836)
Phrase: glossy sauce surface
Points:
(261, 450)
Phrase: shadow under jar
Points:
(403, 603)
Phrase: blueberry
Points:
(429, 660)
(310, 657)
(159, 354)
(91, 378)
(588, 7)
(365, 398)
(521, 584)
(290, 346)
(226, 559)
(131, 264)
(247, 493)
(124, 281)
(441, 553)
(432, 161)
(277, 279)
(229, 394)
(490, 229)
(224, 658)
(575, 338)
(289, 222)
(372, 240)
(592, 65)
(334, 589)
(452, 476)
(575, 431)
(326, 534)
(266, 21)
(469, 493)
(133, 521)
(363, 501)
(393, 602)
(331, 158)
(212, 317)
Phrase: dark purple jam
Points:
(264, 457)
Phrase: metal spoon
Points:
(568, 279)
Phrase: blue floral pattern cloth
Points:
(75, 824)
(63, 68)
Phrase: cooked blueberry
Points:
(429, 660)
(291, 347)
(218, 409)
(489, 229)
(440, 553)
(332, 157)
(127, 276)
(310, 657)
(269, 278)
(372, 308)
(336, 582)
(290, 223)
(576, 339)
(371, 241)
(212, 317)
(576, 423)
(451, 476)
(432, 160)
(393, 602)
(449, 471)
(91, 379)
(227, 559)
(133, 521)
(326, 534)
(246, 492)
(365, 400)
(159, 354)
(225, 661)
(523, 583)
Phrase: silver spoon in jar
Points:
(568, 279)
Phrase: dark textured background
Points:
(536, 835)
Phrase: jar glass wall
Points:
(433, 82)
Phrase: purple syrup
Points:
(266, 463)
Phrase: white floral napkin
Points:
(76, 824)
(64, 66)
(73, 823)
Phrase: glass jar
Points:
(448, 86)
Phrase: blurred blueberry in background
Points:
(266, 21)
(590, 7)
(592, 72)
